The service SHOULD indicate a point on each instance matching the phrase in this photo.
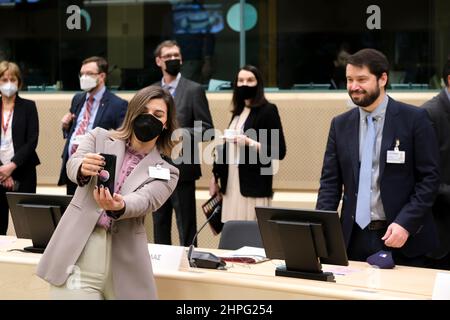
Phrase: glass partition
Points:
(298, 45)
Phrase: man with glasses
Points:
(95, 107)
(194, 118)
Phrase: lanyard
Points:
(5, 126)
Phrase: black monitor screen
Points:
(35, 216)
(304, 239)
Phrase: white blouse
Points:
(6, 142)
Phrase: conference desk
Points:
(238, 281)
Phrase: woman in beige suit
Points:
(99, 249)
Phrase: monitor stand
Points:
(321, 276)
(302, 260)
(42, 221)
(34, 249)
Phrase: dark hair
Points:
(166, 43)
(138, 105)
(101, 62)
(446, 71)
(374, 60)
(258, 100)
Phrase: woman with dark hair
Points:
(18, 139)
(254, 138)
(99, 249)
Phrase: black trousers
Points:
(182, 201)
(4, 210)
(28, 185)
(442, 263)
(364, 243)
(70, 187)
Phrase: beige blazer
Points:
(130, 261)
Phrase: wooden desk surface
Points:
(239, 281)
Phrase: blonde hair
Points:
(13, 68)
(138, 105)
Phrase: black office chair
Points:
(236, 234)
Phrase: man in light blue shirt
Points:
(383, 157)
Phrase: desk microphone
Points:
(199, 259)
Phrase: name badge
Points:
(159, 172)
(395, 156)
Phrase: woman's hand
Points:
(92, 164)
(8, 183)
(243, 140)
(107, 202)
(6, 170)
(213, 187)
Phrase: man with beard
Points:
(383, 156)
(194, 118)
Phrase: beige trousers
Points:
(91, 277)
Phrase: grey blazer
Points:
(130, 261)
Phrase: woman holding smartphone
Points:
(99, 249)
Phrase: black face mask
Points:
(246, 92)
(146, 127)
(173, 66)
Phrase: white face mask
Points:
(8, 89)
(87, 83)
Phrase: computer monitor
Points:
(35, 216)
(304, 239)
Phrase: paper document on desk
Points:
(6, 241)
(340, 270)
(246, 255)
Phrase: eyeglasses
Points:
(171, 56)
(88, 74)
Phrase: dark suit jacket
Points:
(438, 109)
(191, 105)
(110, 115)
(252, 183)
(407, 190)
(25, 133)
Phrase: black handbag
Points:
(213, 211)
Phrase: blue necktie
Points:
(170, 89)
(365, 177)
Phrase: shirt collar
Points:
(130, 150)
(173, 84)
(98, 95)
(379, 111)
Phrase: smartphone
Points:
(106, 176)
